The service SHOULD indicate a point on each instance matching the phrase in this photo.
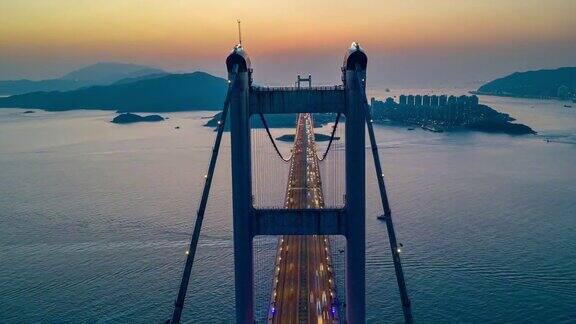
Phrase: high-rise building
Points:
(418, 100)
(462, 101)
(402, 99)
(426, 100)
(410, 101)
(443, 100)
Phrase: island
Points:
(445, 113)
(278, 120)
(129, 118)
(317, 137)
(542, 84)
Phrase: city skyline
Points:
(410, 43)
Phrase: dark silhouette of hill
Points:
(173, 92)
(140, 78)
(541, 83)
(96, 74)
(128, 118)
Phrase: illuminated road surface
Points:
(304, 286)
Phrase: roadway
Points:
(304, 286)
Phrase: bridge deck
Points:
(304, 290)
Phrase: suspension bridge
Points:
(323, 196)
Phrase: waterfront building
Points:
(462, 101)
(443, 100)
(451, 110)
(410, 101)
(418, 100)
(426, 100)
(402, 99)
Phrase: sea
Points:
(95, 219)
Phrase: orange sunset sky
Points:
(408, 42)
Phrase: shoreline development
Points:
(445, 113)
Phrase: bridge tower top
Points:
(355, 58)
(239, 59)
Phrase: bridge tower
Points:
(354, 78)
(243, 100)
(348, 99)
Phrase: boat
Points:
(387, 90)
(432, 128)
(567, 106)
(410, 128)
(382, 217)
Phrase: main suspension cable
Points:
(265, 123)
(331, 138)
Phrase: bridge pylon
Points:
(354, 77)
(241, 183)
(247, 100)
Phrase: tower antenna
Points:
(239, 33)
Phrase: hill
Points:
(96, 74)
(128, 118)
(173, 92)
(109, 72)
(140, 78)
(558, 83)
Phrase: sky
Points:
(408, 42)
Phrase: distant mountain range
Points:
(96, 74)
(558, 83)
(106, 73)
(145, 93)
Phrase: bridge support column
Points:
(354, 68)
(241, 184)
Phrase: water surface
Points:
(95, 218)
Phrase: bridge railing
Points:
(293, 88)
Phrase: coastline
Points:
(511, 95)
